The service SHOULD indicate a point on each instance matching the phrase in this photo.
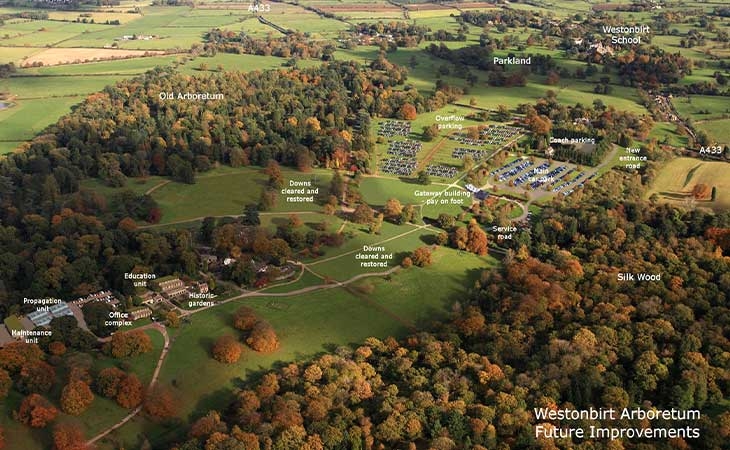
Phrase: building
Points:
(43, 317)
(201, 287)
(101, 296)
(171, 286)
(40, 318)
(150, 298)
(140, 313)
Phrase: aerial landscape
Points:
(367, 225)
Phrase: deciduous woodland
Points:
(552, 328)
(60, 240)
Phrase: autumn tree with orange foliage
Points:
(263, 338)
(5, 383)
(207, 425)
(422, 256)
(68, 436)
(36, 377)
(407, 112)
(35, 411)
(161, 402)
(227, 349)
(476, 238)
(701, 191)
(76, 398)
(130, 343)
(131, 392)
(244, 319)
(57, 348)
(108, 381)
(15, 355)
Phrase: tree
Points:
(173, 319)
(68, 436)
(130, 343)
(701, 191)
(477, 239)
(35, 411)
(5, 383)
(393, 209)
(337, 186)
(76, 398)
(15, 355)
(161, 403)
(207, 425)
(459, 238)
(57, 348)
(267, 201)
(276, 179)
(36, 377)
(553, 78)
(295, 221)
(131, 392)
(422, 256)
(363, 214)
(244, 319)
(423, 178)
(227, 349)
(446, 221)
(430, 132)
(251, 216)
(407, 112)
(263, 338)
(108, 381)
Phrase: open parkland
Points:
(333, 300)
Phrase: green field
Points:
(676, 180)
(226, 191)
(717, 130)
(307, 324)
(702, 107)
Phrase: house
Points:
(150, 298)
(140, 313)
(101, 296)
(201, 287)
(601, 49)
(171, 286)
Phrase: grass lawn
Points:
(680, 175)
(29, 117)
(717, 130)
(137, 185)
(668, 131)
(45, 87)
(702, 107)
(377, 191)
(226, 191)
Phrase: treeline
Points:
(129, 131)
(501, 18)
(294, 45)
(652, 66)
(553, 328)
(403, 34)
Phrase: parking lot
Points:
(539, 175)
